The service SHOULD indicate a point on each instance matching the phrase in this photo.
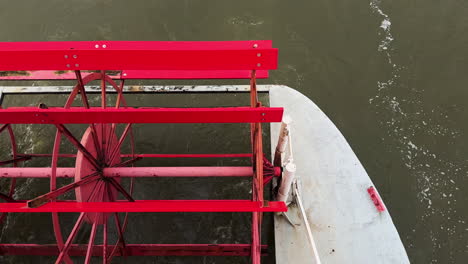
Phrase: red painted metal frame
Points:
(55, 217)
(135, 74)
(117, 55)
(148, 206)
(134, 250)
(79, 115)
(142, 60)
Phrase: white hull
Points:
(346, 226)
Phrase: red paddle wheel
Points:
(100, 166)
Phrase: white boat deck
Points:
(345, 223)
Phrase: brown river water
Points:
(391, 74)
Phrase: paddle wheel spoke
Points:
(97, 186)
(75, 142)
(59, 238)
(70, 239)
(78, 145)
(120, 245)
(117, 105)
(89, 251)
(6, 162)
(126, 163)
(84, 98)
(120, 94)
(119, 188)
(119, 144)
(103, 106)
(53, 186)
(103, 89)
(256, 249)
(81, 88)
(7, 198)
(109, 137)
(3, 127)
(121, 240)
(104, 243)
(40, 200)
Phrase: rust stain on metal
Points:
(107, 72)
(135, 88)
(61, 72)
(14, 73)
(86, 71)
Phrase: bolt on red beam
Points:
(79, 115)
(148, 206)
(133, 250)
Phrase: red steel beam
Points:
(148, 206)
(135, 45)
(190, 75)
(73, 47)
(17, 56)
(133, 250)
(79, 115)
(69, 172)
(138, 55)
(135, 75)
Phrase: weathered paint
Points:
(139, 89)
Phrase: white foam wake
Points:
(402, 113)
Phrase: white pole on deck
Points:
(306, 222)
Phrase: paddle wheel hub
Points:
(100, 190)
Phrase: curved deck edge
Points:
(346, 225)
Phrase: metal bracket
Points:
(289, 220)
(1, 96)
